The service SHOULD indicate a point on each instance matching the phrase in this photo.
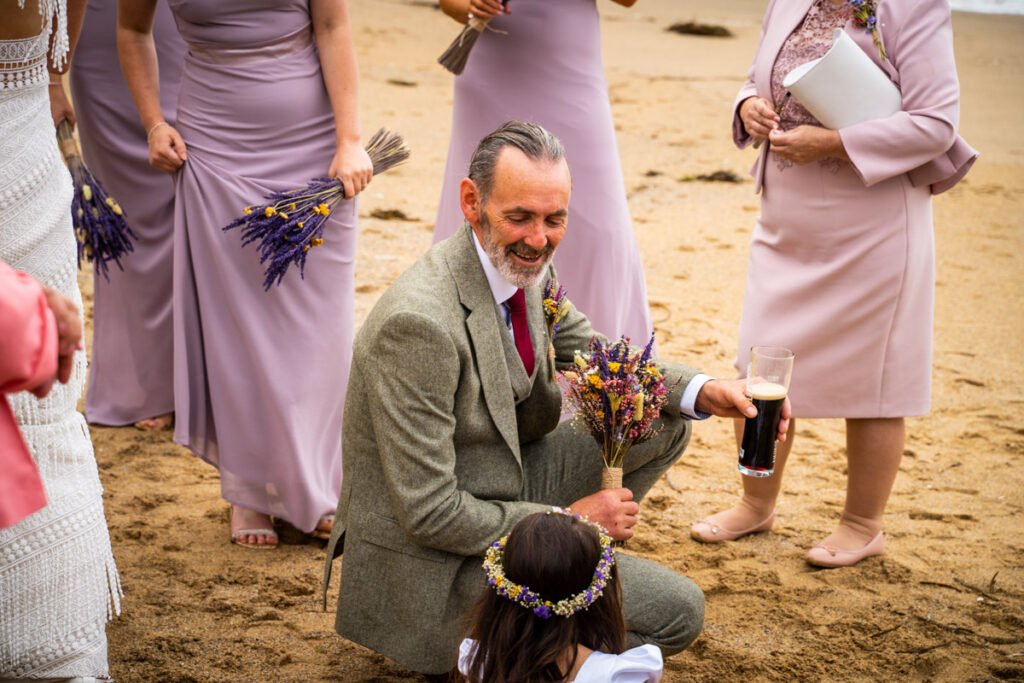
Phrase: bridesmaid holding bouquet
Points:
(542, 64)
(268, 100)
(131, 370)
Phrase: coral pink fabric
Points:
(28, 359)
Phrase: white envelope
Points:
(844, 87)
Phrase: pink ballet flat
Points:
(707, 531)
(830, 558)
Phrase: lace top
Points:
(810, 40)
(23, 60)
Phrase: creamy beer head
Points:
(766, 391)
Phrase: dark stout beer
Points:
(757, 449)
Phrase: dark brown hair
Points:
(530, 139)
(555, 556)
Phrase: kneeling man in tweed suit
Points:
(452, 430)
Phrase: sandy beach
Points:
(947, 601)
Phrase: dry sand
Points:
(945, 604)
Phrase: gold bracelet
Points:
(149, 133)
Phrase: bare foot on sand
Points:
(157, 423)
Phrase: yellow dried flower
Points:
(638, 406)
(86, 192)
(270, 212)
(316, 241)
(247, 210)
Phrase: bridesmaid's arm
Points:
(333, 35)
(137, 52)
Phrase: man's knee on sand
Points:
(688, 604)
(683, 610)
(663, 608)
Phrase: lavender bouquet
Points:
(455, 57)
(616, 394)
(291, 222)
(100, 228)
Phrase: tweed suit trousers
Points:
(661, 607)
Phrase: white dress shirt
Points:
(502, 289)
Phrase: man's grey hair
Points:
(529, 138)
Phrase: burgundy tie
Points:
(520, 331)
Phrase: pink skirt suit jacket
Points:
(28, 359)
(842, 258)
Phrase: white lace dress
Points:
(58, 582)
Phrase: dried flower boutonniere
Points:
(865, 15)
(556, 305)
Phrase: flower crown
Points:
(529, 599)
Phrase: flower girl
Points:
(552, 610)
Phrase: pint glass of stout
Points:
(767, 384)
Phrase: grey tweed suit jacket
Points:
(438, 404)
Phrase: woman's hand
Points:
(60, 106)
(487, 9)
(166, 148)
(759, 117)
(69, 336)
(461, 10)
(352, 166)
(805, 144)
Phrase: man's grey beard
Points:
(520, 276)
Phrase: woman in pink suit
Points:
(842, 259)
(28, 362)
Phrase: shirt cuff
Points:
(688, 404)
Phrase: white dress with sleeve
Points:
(637, 665)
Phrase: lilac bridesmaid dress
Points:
(547, 69)
(131, 374)
(260, 377)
